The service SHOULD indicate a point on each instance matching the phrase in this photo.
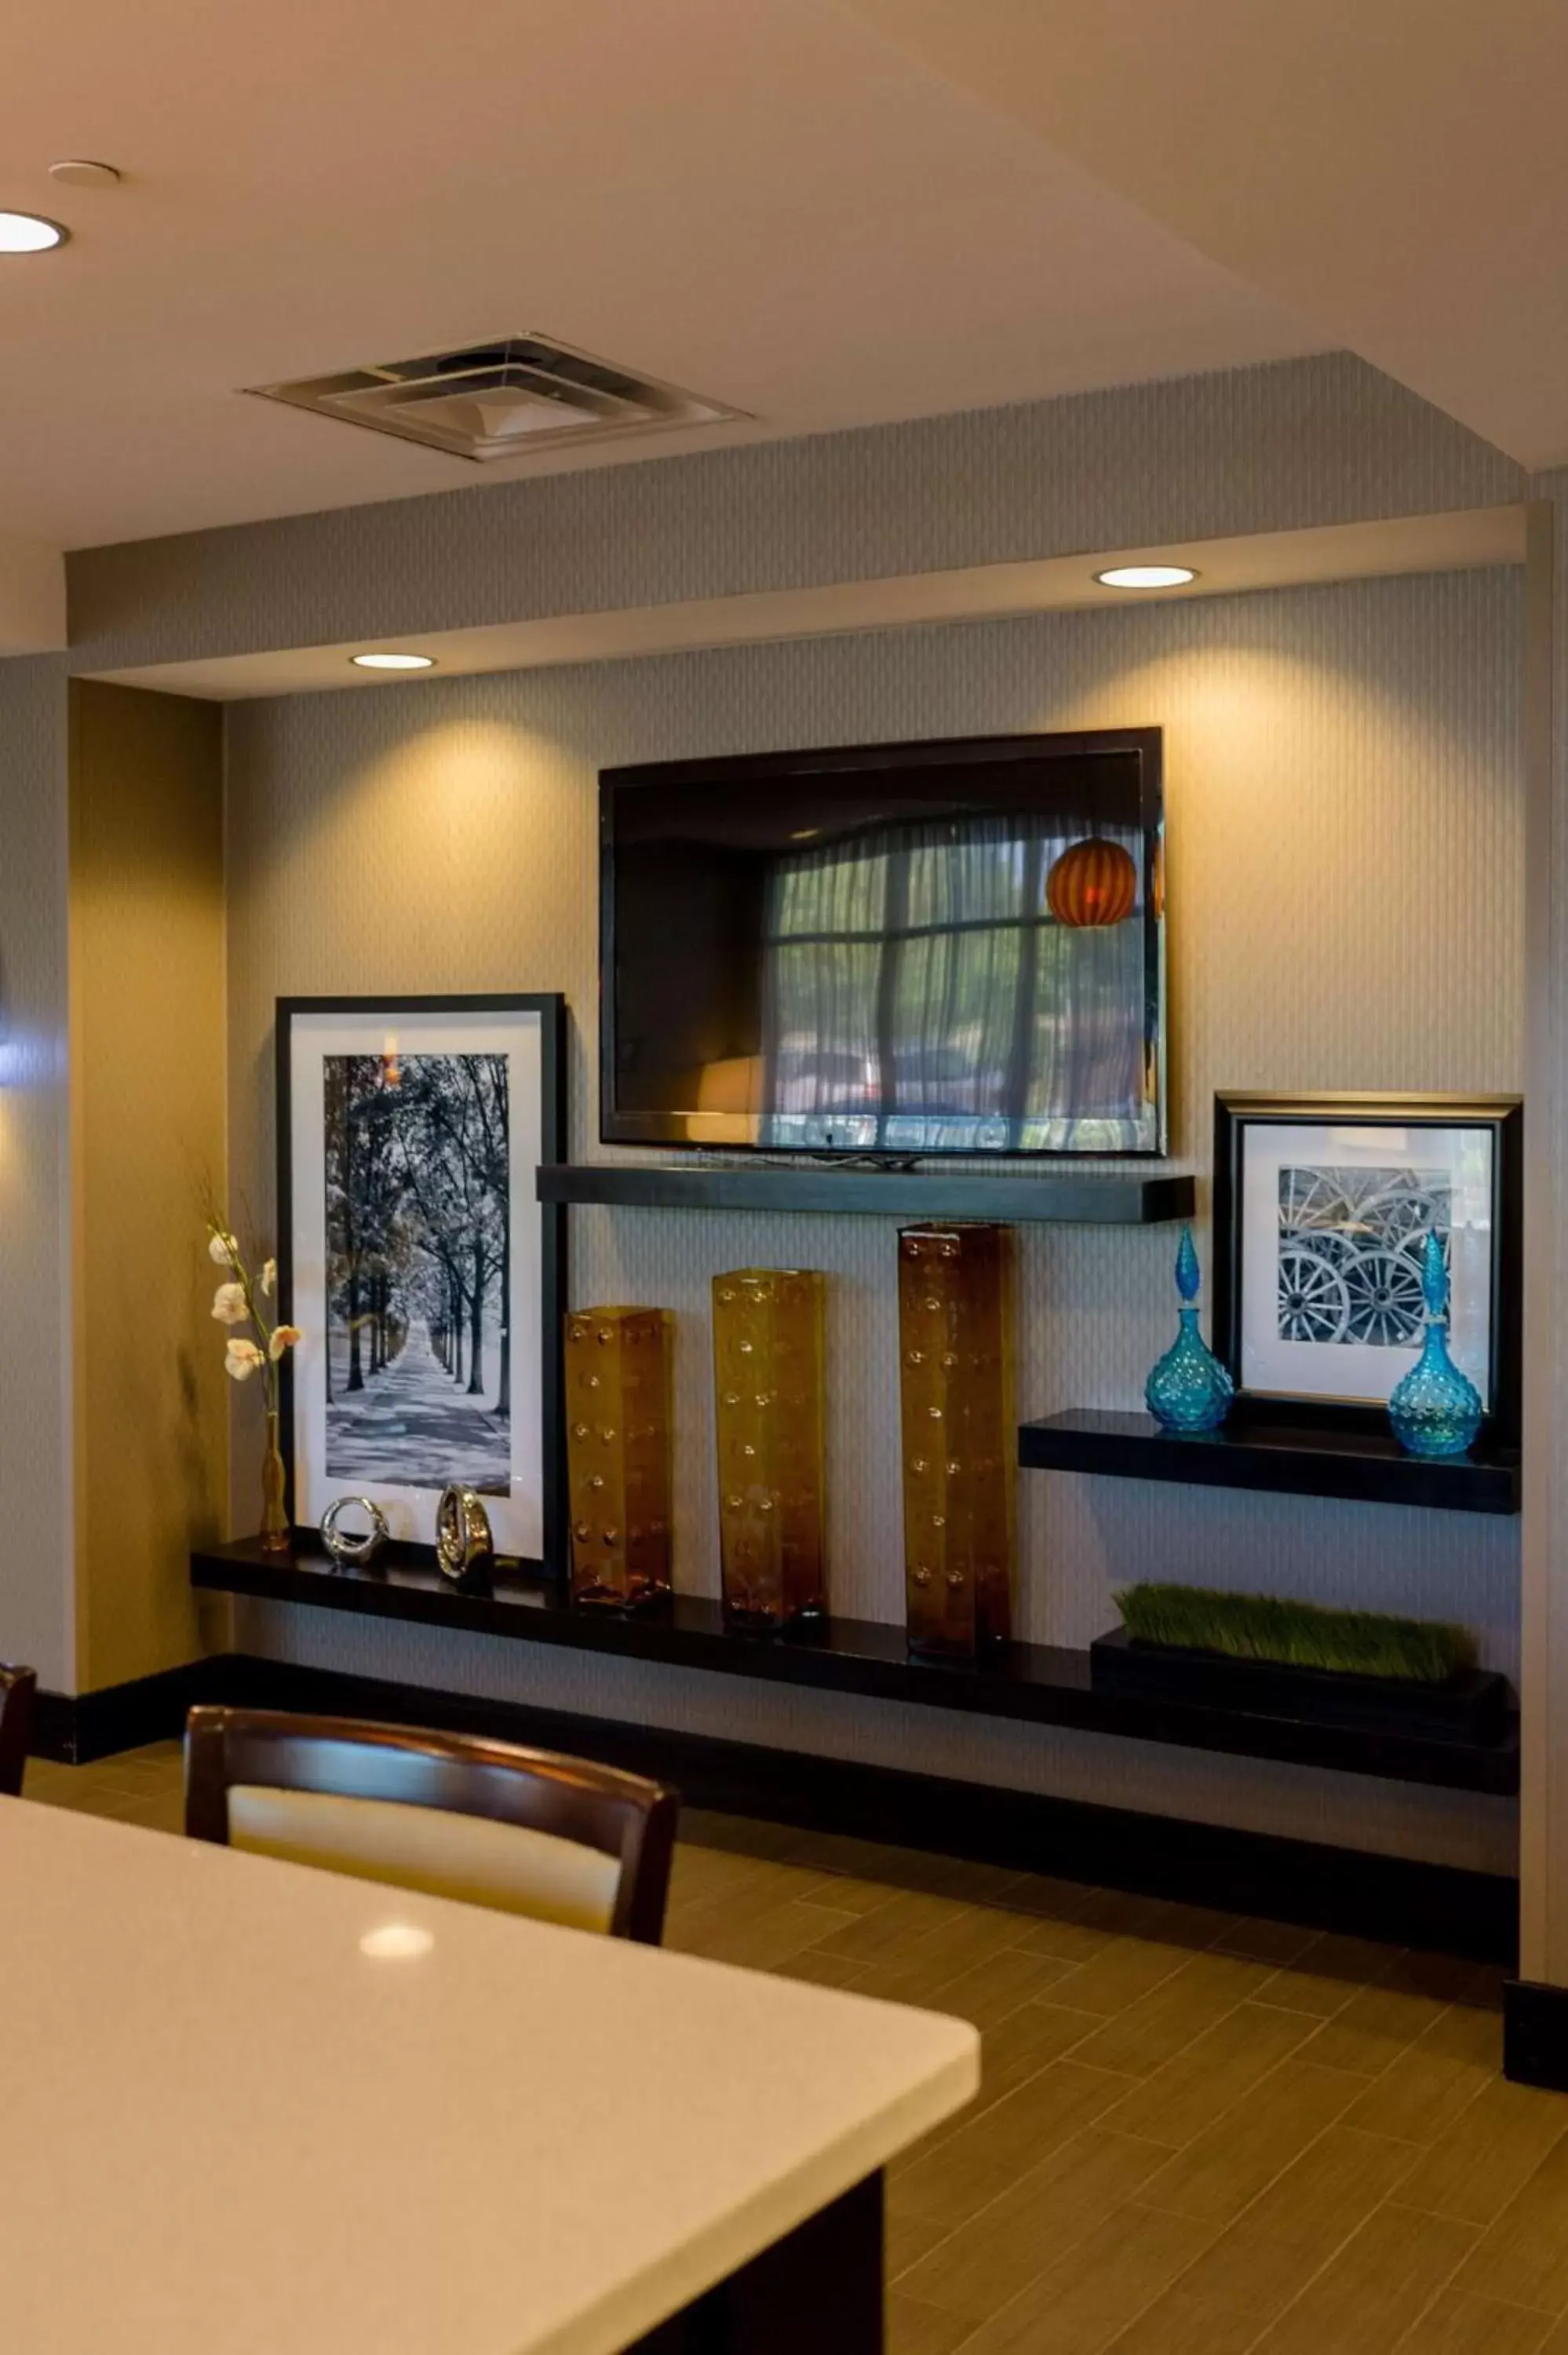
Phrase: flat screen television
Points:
(895, 949)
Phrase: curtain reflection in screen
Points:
(918, 995)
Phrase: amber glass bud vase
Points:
(955, 1333)
(274, 1532)
(618, 1455)
(770, 1421)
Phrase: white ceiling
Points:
(1396, 170)
(763, 200)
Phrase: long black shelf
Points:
(1039, 1683)
(885, 1193)
(1368, 1466)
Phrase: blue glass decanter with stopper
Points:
(1435, 1410)
(1189, 1389)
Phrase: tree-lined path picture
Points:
(419, 1270)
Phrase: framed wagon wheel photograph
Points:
(1323, 1205)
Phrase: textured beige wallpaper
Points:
(35, 1298)
(1345, 878)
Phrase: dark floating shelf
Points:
(1368, 1466)
(885, 1193)
(1474, 1705)
(1040, 1684)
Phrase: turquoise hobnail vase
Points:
(1435, 1410)
(1189, 1389)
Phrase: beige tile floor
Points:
(1197, 2135)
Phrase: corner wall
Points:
(1543, 1810)
(36, 1624)
(148, 1110)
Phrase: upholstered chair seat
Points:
(485, 1822)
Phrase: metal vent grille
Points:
(499, 399)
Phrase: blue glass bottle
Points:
(1435, 1410)
(1189, 1389)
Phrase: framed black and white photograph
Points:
(1323, 1206)
(427, 1279)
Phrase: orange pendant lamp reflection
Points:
(1092, 883)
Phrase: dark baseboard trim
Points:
(76, 1728)
(1394, 1898)
(1535, 2034)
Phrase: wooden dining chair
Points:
(452, 1815)
(18, 1686)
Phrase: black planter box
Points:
(1472, 1707)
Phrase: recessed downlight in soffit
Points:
(1146, 576)
(499, 399)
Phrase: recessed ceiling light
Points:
(394, 661)
(77, 172)
(30, 233)
(1146, 576)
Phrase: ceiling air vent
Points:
(500, 399)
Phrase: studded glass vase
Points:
(618, 1455)
(955, 1332)
(770, 1424)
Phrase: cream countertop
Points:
(256, 2107)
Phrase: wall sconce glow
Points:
(1146, 576)
(397, 1941)
(393, 662)
(30, 233)
(26, 1062)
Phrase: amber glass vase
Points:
(769, 1416)
(618, 1455)
(274, 1532)
(955, 1334)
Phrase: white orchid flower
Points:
(285, 1337)
(242, 1360)
(268, 1277)
(222, 1249)
(228, 1304)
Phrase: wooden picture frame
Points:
(1390, 1166)
(504, 1433)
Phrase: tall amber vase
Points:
(618, 1455)
(955, 1333)
(274, 1532)
(770, 1421)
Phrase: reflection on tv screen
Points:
(960, 955)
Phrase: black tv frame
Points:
(616, 1127)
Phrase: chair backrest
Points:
(453, 1814)
(18, 1686)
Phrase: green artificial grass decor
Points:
(1296, 1634)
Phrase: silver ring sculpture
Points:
(343, 1548)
